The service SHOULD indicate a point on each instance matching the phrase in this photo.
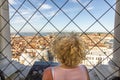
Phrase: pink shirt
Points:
(78, 73)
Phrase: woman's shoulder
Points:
(47, 75)
(48, 69)
(85, 72)
(83, 66)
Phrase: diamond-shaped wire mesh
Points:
(35, 23)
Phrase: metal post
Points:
(115, 62)
(5, 47)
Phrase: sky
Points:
(52, 16)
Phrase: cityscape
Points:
(27, 49)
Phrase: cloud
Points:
(17, 20)
(90, 8)
(50, 13)
(12, 1)
(75, 1)
(46, 6)
(25, 11)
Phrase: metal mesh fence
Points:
(35, 23)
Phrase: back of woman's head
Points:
(69, 49)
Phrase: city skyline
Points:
(52, 16)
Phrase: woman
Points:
(69, 50)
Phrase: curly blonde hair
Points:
(69, 49)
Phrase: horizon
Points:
(61, 32)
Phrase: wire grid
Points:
(49, 21)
